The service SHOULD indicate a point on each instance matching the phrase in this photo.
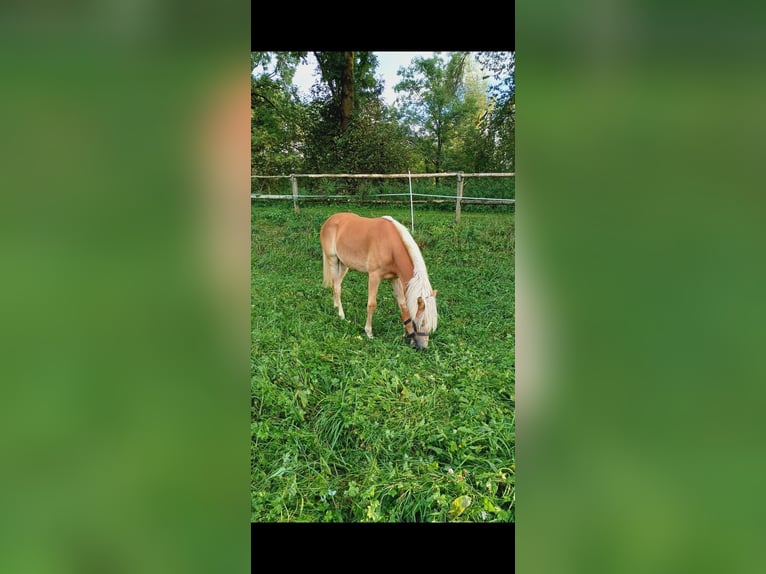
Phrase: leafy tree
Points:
(448, 115)
(350, 82)
(468, 148)
(350, 129)
(433, 102)
(271, 78)
(374, 143)
(277, 115)
(500, 123)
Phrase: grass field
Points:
(348, 429)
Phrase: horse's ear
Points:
(434, 292)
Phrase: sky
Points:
(388, 64)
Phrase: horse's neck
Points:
(404, 267)
(403, 257)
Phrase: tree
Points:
(448, 116)
(277, 116)
(346, 90)
(349, 127)
(500, 123)
(468, 148)
(350, 81)
(374, 142)
(272, 72)
(433, 102)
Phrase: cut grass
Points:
(350, 429)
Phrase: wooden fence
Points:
(458, 197)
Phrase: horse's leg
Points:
(396, 283)
(338, 273)
(372, 303)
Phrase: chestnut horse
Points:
(384, 249)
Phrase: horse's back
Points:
(346, 218)
(350, 224)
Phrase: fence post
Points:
(294, 181)
(412, 211)
(459, 196)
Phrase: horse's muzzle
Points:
(417, 339)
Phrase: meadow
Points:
(350, 429)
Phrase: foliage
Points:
(331, 64)
(433, 100)
(468, 147)
(347, 429)
(447, 116)
(502, 66)
(277, 116)
(373, 143)
(500, 125)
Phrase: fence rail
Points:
(373, 197)
(458, 198)
(384, 175)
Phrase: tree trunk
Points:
(347, 91)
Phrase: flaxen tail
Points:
(326, 270)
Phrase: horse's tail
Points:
(326, 270)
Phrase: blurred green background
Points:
(124, 220)
(640, 279)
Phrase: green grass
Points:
(350, 429)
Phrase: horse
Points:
(384, 249)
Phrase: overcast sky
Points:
(388, 64)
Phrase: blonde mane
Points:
(419, 285)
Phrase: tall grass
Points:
(350, 429)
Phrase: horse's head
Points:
(419, 336)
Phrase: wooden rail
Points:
(459, 199)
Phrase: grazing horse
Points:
(384, 249)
